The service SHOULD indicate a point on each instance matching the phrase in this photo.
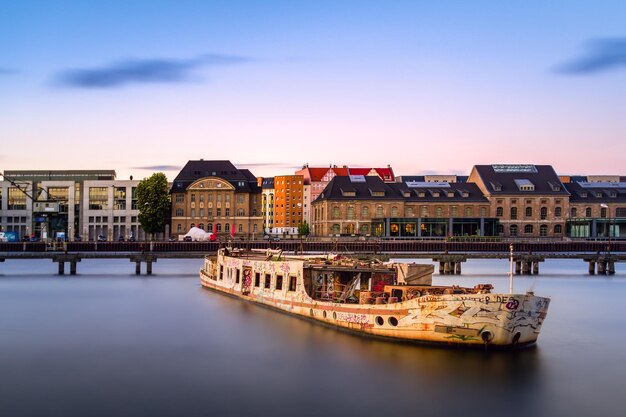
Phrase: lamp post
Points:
(608, 228)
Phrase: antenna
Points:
(511, 269)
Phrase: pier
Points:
(450, 256)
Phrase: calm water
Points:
(107, 343)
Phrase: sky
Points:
(428, 87)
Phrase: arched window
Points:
(603, 212)
(514, 213)
(240, 228)
(513, 230)
(528, 229)
(209, 227)
(408, 212)
(365, 229)
(192, 225)
(349, 228)
(240, 212)
(201, 225)
(218, 228)
(351, 212)
(335, 229)
(573, 212)
(558, 229)
(543, 213)
(483, 212)
(335, 212)
(500, 229)
(424, 211)
(588, 212)
(179, 212)
(438, 211)
(529, 212)
(499, 212)
(557, 211)
(469, 212)
(379, 211)
(394, 211)
(365, 211)
(227, 227)
(543, 230)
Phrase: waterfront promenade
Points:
(601, 256)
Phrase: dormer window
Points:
(496, 186)
(406, 194)
(450, 194)
(421, 194)
(465, 194)
(524, 185)
(375, 193)
(554, 187)
(613, 194)
(599, 194)
(348, 193)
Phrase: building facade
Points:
(367, 206)
(218, 198)
(597, 209)
(528, 200)
(288, 204)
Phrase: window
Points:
(408, 211)
(179, 212)
(379, 211)
(499, 212)
(351, 212)
(209, 227)
(500, 229)
(227, 214)
(543, 213)
(292, 282)
(543, 230)
(573, 212)
(468, 212)
(513, 230)
(438, 212)
(218, 212)
(180, 198)
(221, 272)
(237, 277)
(603, 212)
(257, 279)
(528, 228)
(558, 229)
(529, 212)
(201, 226)
(424, 211)
(268, 281)
(513, 213)
(193, 198)
(218, 227)
(557, 211)
(588, 212)
(240, 228)
(201, 212)
(335, 229)
(365, 211)
(394, 211)
(335, 212)
(483, 212)
(227, 227)
(240, 212)
(279, 282)
(193, 213)
(454, 211)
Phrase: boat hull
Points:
(469, 320)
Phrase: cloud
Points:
(273, 165)
(141, 71)
(159, 168)
(602, 55)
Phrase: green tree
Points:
(303, 229)
(153, 202)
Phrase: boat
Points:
(382, 299)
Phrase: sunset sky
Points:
(424, 86)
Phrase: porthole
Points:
(392, 321)
(311, 313)
(334, 315)
(324, 314)
(516, 338)
(380, 321)
(486, 336)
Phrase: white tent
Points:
(198, 234)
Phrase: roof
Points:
(374, 188)
(520, 180)
(242, 179)
(317, 174)
(596, 193)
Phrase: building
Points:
(597, 209)
(316, 179)
(528, 200)
(288, 204)
(65, 203)
(366, 205)
(218, 198)
(267, 203)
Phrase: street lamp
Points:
(608, 215)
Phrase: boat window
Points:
(221, 277)
(268, 280)
(279, 282)
(237, 278)
(292, 282)
(257, 279)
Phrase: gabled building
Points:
(528, 200)
(366, 205)
(216, 197)
(597, 209)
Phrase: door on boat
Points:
(247, 281)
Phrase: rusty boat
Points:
(382, 299)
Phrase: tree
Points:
(153, 202)
(303, 229)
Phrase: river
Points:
(109, 343)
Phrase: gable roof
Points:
(243, 180)
(520, 180)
